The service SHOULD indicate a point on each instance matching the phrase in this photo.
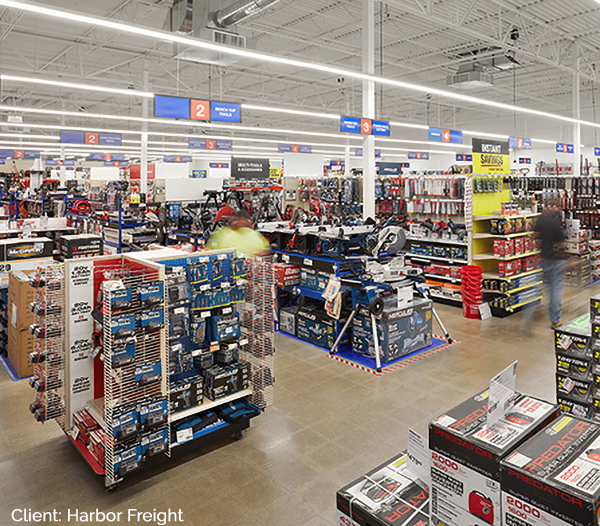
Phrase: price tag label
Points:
(185, 435)
(197, 352)
(244, 341)
(74, 433)
(285, 258)
(568, 384)
(205, 287)
(222, 256)
(203, 260)
(232, 346)
(205, 314)
(307, 262)
(225, 285)
(227, 310)
(179, 310)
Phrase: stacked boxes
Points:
(20, 340)
(315, 327)
(466, 456)
(576, 366)
(552, 479)
(388, 495)
(400, 332)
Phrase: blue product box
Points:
(148, 374)
(400, 332)
(122, 327)
(125, 422)
(151, 321)
(219, 268)
(123, 355)
(200, 272)
(153, 413)
(154, 443)
(224, 327)
(120, 299)
(239, 268)
(315, 327)
(127, 459)
(198, 332)
(151, 295)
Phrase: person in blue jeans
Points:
(548, 228)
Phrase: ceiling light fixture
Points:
(164, 36)
(34, 80)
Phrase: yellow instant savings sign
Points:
(490, 157)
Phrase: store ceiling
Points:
(418, 41)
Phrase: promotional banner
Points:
(490, 156)
(246, 168)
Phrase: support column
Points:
(368, 32)
(347, 159)
(577, 115)
(62, 170)
(144, 152)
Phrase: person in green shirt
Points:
(238, 234)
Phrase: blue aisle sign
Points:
(186, 158)
(305, 149)
(350, 125)
(377, 154)
(225, 112)
(518, 143)
(564, 148)
(197, 144)
(463, 157)
(171, 107)
(69, 162)
(109, 139)
(405, 165)
(219, 165)
(285, 148)
(294, 148)
(381, 128)
(597, 152)
(93, 138)
(358, 152)
(224, 145)
(118, 156)
(524, 160)
(96, 157)
(423, 156)
(442, 135)
(72, 137)
(390, 168)
(51, 162)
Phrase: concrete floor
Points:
(330, 424)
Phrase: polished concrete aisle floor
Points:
(330, 424)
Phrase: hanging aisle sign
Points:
(196, 109)
(364, 126)
(92, 138)
(517, 143)
(19, 154)
(423, 156)
(490, 156)
(524, 160)
(294, 148)
(462, 157)
(596, 152)
(564, 148)
(209, 144)
(442, 135)
(248, 168)
(390, 168)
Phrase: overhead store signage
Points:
(442, 135)
(122, 164)
(517, 143)
(564, 148)
(597, 152)
(490, 156)
(177, 159)
(219, 165)
(524, 160)
(463, 157)
(209, 144)
(93, 138)
(294, 148)
(423, 156)
(405, 165)
(52, 162)
(99, 156)
(247, 168)
(365, 126)
(333, 164)
(196, 109)
(19, 154)
(390, 168)
(358, 152)
(69, 162)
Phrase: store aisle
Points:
(330, 424)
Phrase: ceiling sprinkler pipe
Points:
(239, 11)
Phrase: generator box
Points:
(387, 495)
(553, 479)
(466, 455)
(315, 327)
(76, 246)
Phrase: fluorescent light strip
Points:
(26, 136)
(292, 112)
(490, 135)
(429, 143)
(164, 36)
(409, 125)
(102, 89)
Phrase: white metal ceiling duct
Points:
(240, 11)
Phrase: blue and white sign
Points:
(336, 163)
(358, 152)
(96, 157)
(462, 157)
(224, 145)
(29, 154)
(72, 137)
(597, 152)
(6, 153)
(381, 128)
(169, 158)
(124, 164)
(219, 165)
(171, 107)
(111, 163)
(512, 142)
(442, 135)
(109, 139)
(186, 158)
(225, 112)
(51, 162)
(390, 168)
(423, 156)
(405, 165)
(69, 162)
(197, 144)
(2, 161)
(456, 136)
(526, 144)
(350, 125)
(285, 148)
(524, 160)
(435, 134)
(377, 154)
(305, 149)
(564, 148)
(118, 156)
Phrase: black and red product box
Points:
(466, 456)
(76, 246)
(387, 495)
(554, 478)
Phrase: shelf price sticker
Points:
(185, 435)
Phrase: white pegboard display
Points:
(258, 324)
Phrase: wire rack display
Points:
(258, 324)
(49, 345)
(124, 386)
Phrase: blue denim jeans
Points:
(554, 274)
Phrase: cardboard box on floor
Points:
(20, 341)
